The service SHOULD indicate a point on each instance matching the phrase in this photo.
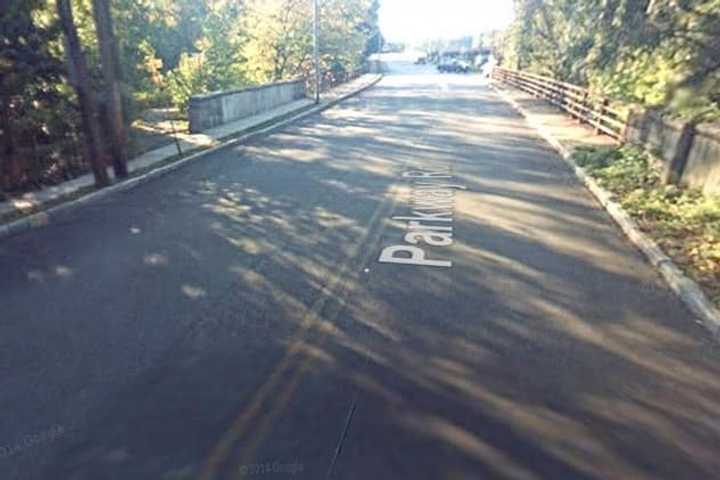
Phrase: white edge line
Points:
(45, 217)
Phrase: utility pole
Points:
(86, 97)
(111, 72)
(316, 48)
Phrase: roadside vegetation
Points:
(67, 67)
(662, 54)
(683, 222)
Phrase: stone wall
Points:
(690, 153)
(703, 163)
(214, 109)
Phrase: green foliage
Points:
(658, 53)
(342, 37)
(216, 62)
(625, 168)
(168, 51)
(32, 107)
(187, 79)
(279, 37)
(371, 30)
(683, 221)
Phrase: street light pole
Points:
(316, 48)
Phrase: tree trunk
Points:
(86, 96)
(8, 158)
(111, 72)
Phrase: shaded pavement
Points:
(231, 320)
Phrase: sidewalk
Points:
(188, 143)
(566, 134)
(554, 122)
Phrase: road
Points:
(233, 320)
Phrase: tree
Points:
(29, 74)
(279, 36)
(657, 53)
(371, 29)
(216, 61)
(80, 78)
(343, 39)
(167, 51)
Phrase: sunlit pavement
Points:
(232, 320)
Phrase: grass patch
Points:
(683, 222)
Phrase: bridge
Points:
(409, 285)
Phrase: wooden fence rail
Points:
(577, 101)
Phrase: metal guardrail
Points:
(577, 101)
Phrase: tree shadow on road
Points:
(549, 350)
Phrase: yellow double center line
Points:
(338, 288)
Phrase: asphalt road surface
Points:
(232, 319)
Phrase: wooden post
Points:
(560, 91)
(111, 72)
(626, 127)
(600, 114)
(675, 166)
(584, 105)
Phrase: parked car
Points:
(464, 67)
(421, 61)
(488, 66)
(454, 66)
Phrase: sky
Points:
(415, 20)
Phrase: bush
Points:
(683, 221)
(187, 79)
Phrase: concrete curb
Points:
(47, 216)
(687, 289)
